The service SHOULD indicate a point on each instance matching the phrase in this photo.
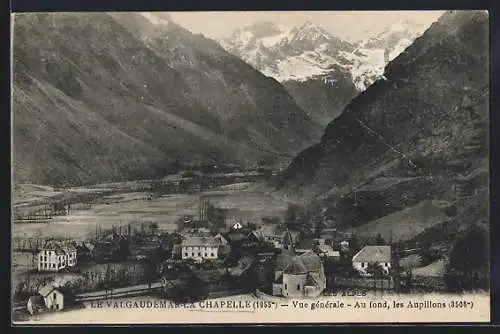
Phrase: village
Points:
(210, 255)
(212, 252)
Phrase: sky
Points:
(348, 25)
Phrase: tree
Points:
(216, 215)
(123, 249)
(315, 246)
(295, 217)
(379, 240)
(151, 271)
(375, 269)
(468, 260)
(470, 252)
(354, 244)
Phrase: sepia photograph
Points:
(250, 167)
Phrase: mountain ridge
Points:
(437, 138)
(146, 115)
(321, 71)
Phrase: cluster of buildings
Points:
(299, 260)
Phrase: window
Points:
(192, 254)
(199, 254)
(205, 254)
(286, 287)
(212, 254)
(298, 287)
(185, 254)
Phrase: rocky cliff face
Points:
(425, 123)
(322, 72)
(99, 97)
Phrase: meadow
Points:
(248, 203)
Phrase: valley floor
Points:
(249, 201)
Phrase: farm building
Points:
(299, 275)
(328, 252)
(372, 255)
(53, 297)
(36, 304)
(277, 236)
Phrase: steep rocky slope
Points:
(419, 134)
(92, 102)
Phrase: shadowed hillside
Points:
(92, 102)
(419, 134)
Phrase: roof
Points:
(329, 250)
(279, 279)
(203, 230)
(373, 254)
(310, 281)
(236, 236)
(283, 260)
(255, 234)
(305, 263)
(290, 237)
(243, 265)
(58, 248)
(200, 241)
(222, 239)
(36, 301)
(44, 291)
(268, 230)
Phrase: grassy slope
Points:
(405, 224)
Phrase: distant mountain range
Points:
(100, 97)
(417, 138)
(322, 72)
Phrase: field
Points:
(251, 203)
(435, 269)
(28, 193)
(405, 224)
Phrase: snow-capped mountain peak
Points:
(158, 18)
(308, 51)
(311, 32)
